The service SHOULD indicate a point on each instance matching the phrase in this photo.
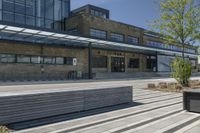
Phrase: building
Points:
(50, 14)
(42, 39)
(87, 22)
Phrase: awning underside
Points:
(9, 32)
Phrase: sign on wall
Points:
(199, 59)
(74, 61)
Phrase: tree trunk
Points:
(183, 51)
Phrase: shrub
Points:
(162, 85)
(181, 70)
(3, 129)
(151, 86)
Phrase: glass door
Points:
(117, 64)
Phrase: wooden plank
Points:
(29, 105)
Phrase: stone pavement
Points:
(151, 112)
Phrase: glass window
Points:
(23, 59)
(99, 61)
(68, 60)
(98, 13)
(0, 14)
(7, 58)
(47, 13)
(20, 19)
(49, 24)
(35, 60)
(40, 7)
(40, 22)
(59, 60)
(30, 7)
(98, 33)
(49, 9)
(92, 12)
(65, 8)
(57, 25)
(0, 4)
(30, 20)
(132, 40)
(49, 60)
(20, 6)
(8, 16)
(133, 63)
(8, 5)
(117, 37)
(57, 10)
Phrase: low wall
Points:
(191, 100)
(29, 105)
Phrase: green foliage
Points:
(4, 129)
(179, 21)
(181, 70)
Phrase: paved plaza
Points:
(151, 112)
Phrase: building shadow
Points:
(65, 117)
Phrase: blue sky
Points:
(134, 12)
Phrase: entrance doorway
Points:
(117, 64)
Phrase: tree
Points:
(179, 22)
(181, 70)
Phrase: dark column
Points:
(90, 61)
(156, 61)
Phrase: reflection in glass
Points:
(41, 13)
(20, 6)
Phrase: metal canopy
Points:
(18, 33)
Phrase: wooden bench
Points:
(30, 105)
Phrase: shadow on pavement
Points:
(65, 117)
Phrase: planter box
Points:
(30, 105)
(191, 100)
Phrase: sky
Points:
(134, 12)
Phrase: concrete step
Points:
(130, 75)
(108, 117)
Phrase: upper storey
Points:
(92, 10)
(49, 14)
(84, 22)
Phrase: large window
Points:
(117, 37)
(7, 58)
(59, 60)
(98, 13)
(68, 60)
(49, 60)
(133, 63)
(23, 59)
(98, 33)
(41, 13)
(168, 46)
(99, 61)
(132, 40)
(34, 59)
